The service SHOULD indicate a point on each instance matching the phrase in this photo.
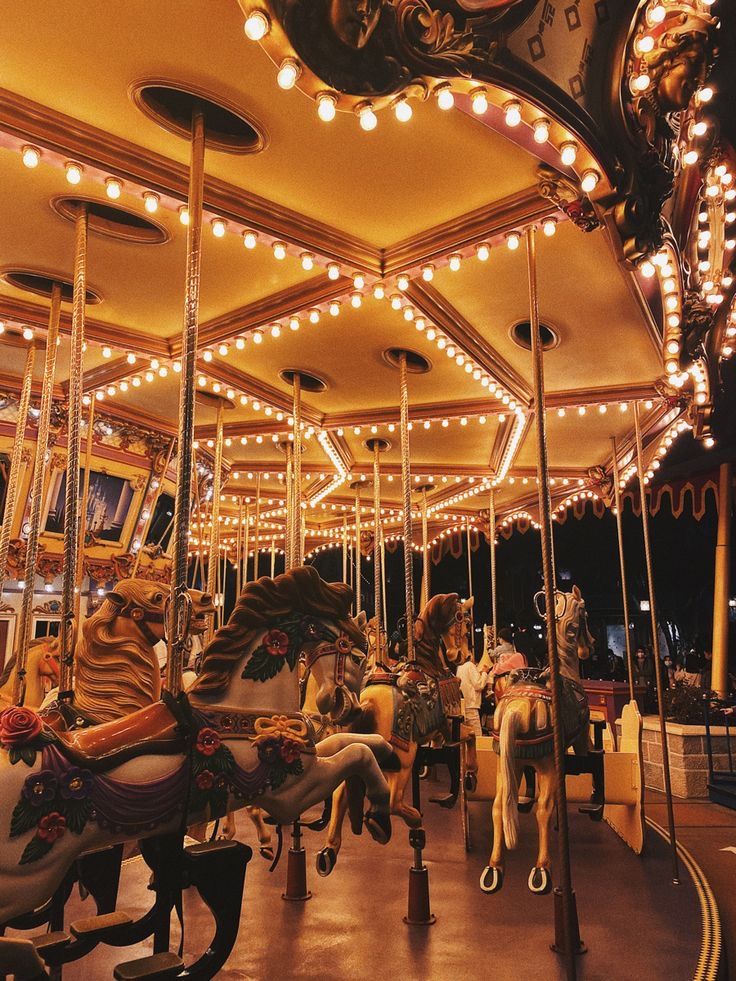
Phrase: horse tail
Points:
(510, 791)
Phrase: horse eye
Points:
(158, 597)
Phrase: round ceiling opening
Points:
(41, 285)
(309, 382)
(112, 220)
(212, 401)
(416, 363)
(521, 334)
(227, 128)
(383, 444)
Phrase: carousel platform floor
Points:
(634, 922)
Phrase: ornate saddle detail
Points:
(529, 687)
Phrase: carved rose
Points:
(290, 750)
(51, 827)
(208, 742)
(19, 726)
(205, 780)
(276, 643)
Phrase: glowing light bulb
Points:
(207, 354)
(222, 349)
(73, 172)
(673, 320)
(705, 94)
(513, 240)
(240, 343)
(690, 157)
(184, 215)
(655, 13)
(700, 128)
(288, 74)
(445, 98)
(135, 381)
(250, 239)
(709, 442)
(257, 25)
(130, 357)
(326, 107)
(113, 188)
(645, 44)
(30, 155)
(569, 153)
(368, 118)
(673, 347)
(483, 251)
(512, 113)
(379, 291)
(218, 227)
(455, 261)
(402, 110)
(540, 129)
(640, 83)
(479, 101)
(333, 271)
(334, 308)
(106, 352)
(647, 269)
(359, 281)
(150, 202)
(307, 261)
(275, 330)
(176, 365)
(279, 251)
(27, 333)
(428, 272)
(403, 282)
(589, 180)
(257, 336)
(314, 316)
(356, 299)
(549, 227)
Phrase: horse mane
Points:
(300, 590)
(433, 622)
(10, 664)
(114, 674)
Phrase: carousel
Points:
(298, 300)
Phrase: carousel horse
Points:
(238, 736)
(523, 737)
(116, 669)
(42, 673)
(377, 646)
(410, 704)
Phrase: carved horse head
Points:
(574, 640)
(442, 630)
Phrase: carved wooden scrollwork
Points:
(563, 193)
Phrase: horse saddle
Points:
(159, 728)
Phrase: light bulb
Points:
(403, 282)
(314, 316)
(176, 365)
(113, 188)
(150, 202)
(402, 110)
(30, 156)
(275, 330)
(700, 128)
(673, 347)
(356, 299)
(549, 227)
(333, 271)
(136, 381)
(250, 239)
(640, 83)
(130, 357)
(257, 337)
(455, 261)
(428, 272)
(163, 371)
(279, 250)
(603, 408)
(589, 180)
(647, 269)
(445, 98)
(223, 349)
(513, 240)
(326, 107)
(645, 44)
(307, 261)
(379, 291)
(288, 74)
(690, 157)
(483, 251)
(106, 352)
(512, 113)
(569, 153)
(368, 118)
(111, 390)
(218, 227)
(334, 308)
(673, 320)
(240, 343)
(257, 25)
(73, 172)
(705, 94)
(27, 333)
(541, 130)
(358, 281)
(184, 215)
(479, 101)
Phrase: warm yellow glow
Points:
(275, 330)
(130, 357)
(184, 215)
(569, 153)
(30, 156)
(645, 44)
(335, 308)
(640, 83)
(113, 188)
(150, 202)
(549, 227)
(513, 240)
(705, 94)
(367, 117)
(655, 13)
(589, 180)
(403, 282)
(207, 354)
(402, 110)
(106, 352)
(257, 25)
(356, 299)
(218, 227)
(379, 291)
(479, 101)
(483, 251)
(27, 333)
(223, 349)
(647, 269)
(690, 157)
(455, 261)
(333, 271)
(257, 336)
(326, 106)
(359, 281)
(288, 73)
(307, 261)
(700, 128)
(540, 128)
(73, 172)
(445, 98)
(250, 239)
(428, 272)
(512, 113)
(673, 347)
(279, 250)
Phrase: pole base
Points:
(559, 945)
(419, 913)
(296, 877)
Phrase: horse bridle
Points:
(146, 617)
(341, 648)
(457, 633)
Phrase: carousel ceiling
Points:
(302, 232)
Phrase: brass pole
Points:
(377, 539)
(83, 515)
(297, 540)
(406, 489)
(71, 499)
(239, 552)
(721, 590)
(655, 646)
(426, 587)
(257, 528)
(383, 585)
(34, 520)
(246, 544)
(16, 459)
(492, 546)
(545, 520)
(213, 569)
(358, 557)
(152, 508)
(184, 459)
(622, 564)
(345, 548)
(273, 557)
(470, 558)
(289, 526)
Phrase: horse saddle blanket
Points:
(419, 701)
(533, 684)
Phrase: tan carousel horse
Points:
(237, 737)
(42, 673)
(523, 737)
(410, 704)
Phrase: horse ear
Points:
(576, 593)
(361, 620)
(117, 598)
(468, 604)
(418, 629)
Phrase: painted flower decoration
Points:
(269, 750)
(205, 780)
(309, 629)
(208, 742)
(51, 827)
(76, 784)
(290, 750)
(276, 642)
(19, 726)
(40, 788)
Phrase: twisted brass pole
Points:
(426, 588)
(257, 528)
(655, 645)
(377, 541)
(358, 559)
(622, 565)
(239, 552)
(545, 520)
(406, 493)
(71, 500)
(492, 545)
(470, 558)
(185, 456)
(246, 544)
(345, 548)
(16, 458)
(34, 520)
(273, 557)
(383, 585)
(297, 540)
(152, 508)
(83, 515)
(289, 525)
(213, 567)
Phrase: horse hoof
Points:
(379, 826)
(540, 881)
(471, 782)
(266, 852)
(491, 879)
(326, 860)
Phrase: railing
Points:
(721, 779)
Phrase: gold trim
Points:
(66, 207)
(94, 296)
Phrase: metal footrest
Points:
(157, 967)
(47, 943)
(101, 928)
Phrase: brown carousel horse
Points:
(410, 704)
(523, 737)
(42, 673)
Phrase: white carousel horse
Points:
(42, 673)
(237, 738)
(410, 704)
(523, 736)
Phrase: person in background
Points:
(693, 668)
(472, 683)
(669, 668)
